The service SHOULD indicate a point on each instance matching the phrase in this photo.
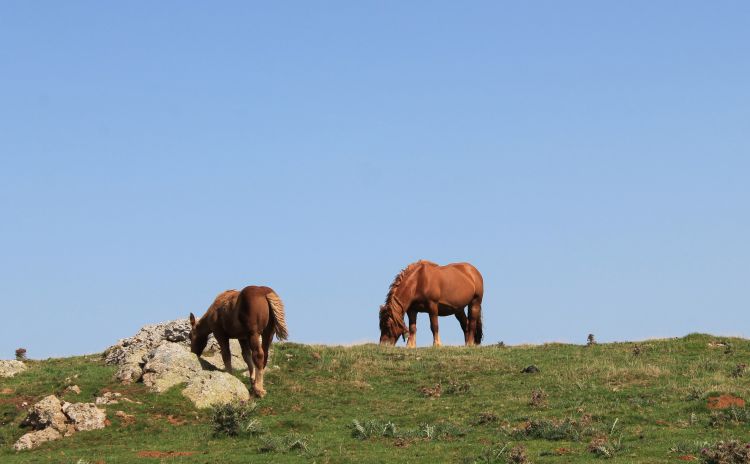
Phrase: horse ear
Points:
(192, 320)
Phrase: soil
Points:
(164, 454)
(725, 401)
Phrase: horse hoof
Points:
(260, 393)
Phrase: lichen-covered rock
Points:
(215, 387)
(36, 438)
(168, 365)
(129, 353)
(85, 416)
(11, 367)
(47, 413)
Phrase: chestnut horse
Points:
(425, 287)
(246, 315)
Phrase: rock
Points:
(73, 389)
(108, 398)
(215, 387)
(47, 413)
(9, 368)
(36, 438)
(85, 416)
(168, 365)
(129, 353)
(532, 369)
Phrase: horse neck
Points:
(402, 297)
(203, 327)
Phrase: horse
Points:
(426, 287)
(246, 315)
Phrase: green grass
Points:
(645, 408)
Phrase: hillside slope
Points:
(631, 402)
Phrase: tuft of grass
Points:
(232, 418)
(554, 429)
(730, 416)
(726, 452)
(604, 447)
(285, 443)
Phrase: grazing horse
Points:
(425, 287)
(246, 315)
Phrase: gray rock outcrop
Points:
(36, 438)
(51, 420)
(11, 367)
(159, 355)
(172, 364)
(129, 353)
(85, 416)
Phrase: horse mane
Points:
(386, 310)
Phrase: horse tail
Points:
(478, 332)
(277, 312)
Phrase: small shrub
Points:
(431, 392)
(232, 418)
(285, 444)
(486, 418)
(455, 387)
(538, 398)
(729, 452)
(518, 455)
(694, 393)
(372, 428)
(604, 447)
(441, 431)
(739, 370)
(545, 429)
(590, 341)
(637, 350)
(21, 354)
(730, 416)
(500, 455)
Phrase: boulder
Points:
(129, 353)
(36, 438)
(215, 387)
(168, 365)
(47, 413)
(9, 367)
(85, 416)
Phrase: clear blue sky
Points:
(592, 159)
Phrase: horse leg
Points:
(412, 341)
(267, 339)
(475, 311)
(432, 309)
(464, 324)
(258, 359)
(226, 355)
(247, 356)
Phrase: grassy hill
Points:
(626, 402)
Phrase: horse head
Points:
(390, 327)
(198, 341)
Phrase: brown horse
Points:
(425, 287)
(246, 315)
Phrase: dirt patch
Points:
(175, 420)
(7, 391)
(687, 457)
(725, 401)
(164, 454)
(267, 411)
(20, 402)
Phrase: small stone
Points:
(33, 439)
(108, 398)
(73, 389)
(9, 368)
(85, 416)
